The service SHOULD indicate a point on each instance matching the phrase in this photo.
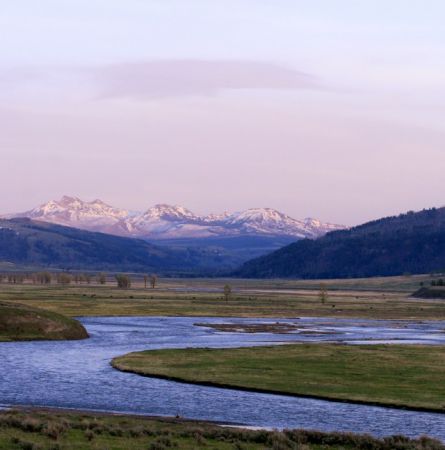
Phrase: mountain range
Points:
(173, 222)
(408, 243)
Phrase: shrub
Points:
(89, 435)
(55, 429)
(25, 445)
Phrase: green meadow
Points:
(406, 376)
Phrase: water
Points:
(77, 374)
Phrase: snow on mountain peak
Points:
(66, 199)
(171, 221)
(259, 215)
(168, 212)
(72, 211)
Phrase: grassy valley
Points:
(377, 298)
(402, 376)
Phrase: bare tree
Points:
(145, 281)
(123, 281)
(323, 294)
(16, 278)
(43, 277)
(101, 278)
(153, 280)
(227, 292)
(64, 278)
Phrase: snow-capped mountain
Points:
(170, 222)
(73, 212)
(271, 221)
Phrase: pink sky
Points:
(320, 110)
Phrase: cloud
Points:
(155, 79)
(177, 78)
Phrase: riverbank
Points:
(76, 430)
(397, 376)
(23, 323)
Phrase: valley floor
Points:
(402, 376)
(376, 298)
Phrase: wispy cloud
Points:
(177, 78)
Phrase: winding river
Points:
(77, 374)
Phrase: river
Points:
(77, 374)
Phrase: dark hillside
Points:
(28, 242)
(408, 243)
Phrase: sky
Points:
(331, 109)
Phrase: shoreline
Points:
(100, 412)
(281, 393)
(26, 424)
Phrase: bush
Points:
(162, 443)
(25, 445)
(55, 429)
(89, 435)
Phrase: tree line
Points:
(65, 278)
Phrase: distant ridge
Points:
(26, 242)
(408, 243)
(164, 221)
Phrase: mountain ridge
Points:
(163, 221)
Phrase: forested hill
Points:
(409, 243)
(32, 243)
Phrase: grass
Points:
(19, 323)
(38, 430)
(393, 375)
(379, 298)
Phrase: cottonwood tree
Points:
(16, 278)
(43, 277)
(123, 281)
(101, 278)
(64, 278)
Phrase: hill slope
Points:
(28, 242)
(21, 323)
(412, 242)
